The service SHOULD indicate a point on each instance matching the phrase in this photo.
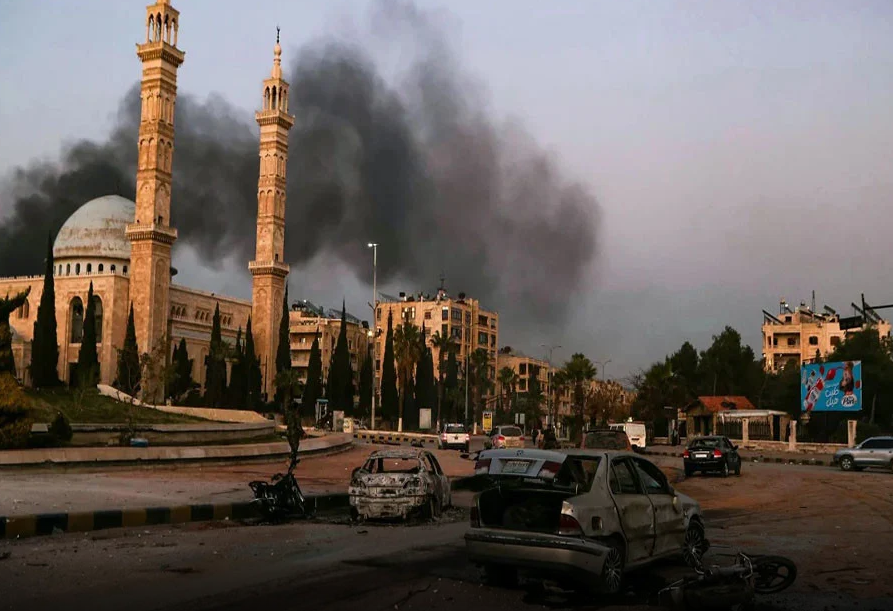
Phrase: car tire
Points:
(695, 544)
(847, 463)
(611, 580)
(724, 471)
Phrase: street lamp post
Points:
(603, 365)
(551, 381)
(374, 248)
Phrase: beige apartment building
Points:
(797, 336)
(306, 321)
(525, 367)
(462, 318)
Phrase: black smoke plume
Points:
(419, 168)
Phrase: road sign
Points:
(487, 423)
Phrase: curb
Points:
(810, 462)
(396, 438)
(14, 527)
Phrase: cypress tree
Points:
(44, 346)
(182, 371)
(366, 385)
(215, 365)
(237, 394)
(128, 379)
(88, 359)
(426, 392)
(389, 396)
(340, 383)
(253, 375)
(313, 387)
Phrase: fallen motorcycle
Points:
(281, 498)
(730, 588)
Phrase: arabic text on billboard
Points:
(831, 387)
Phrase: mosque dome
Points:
(96, 229)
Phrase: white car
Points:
(454, 436)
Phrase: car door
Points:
(870, 453)
(435, 477)
(729, 449)
(444, 480)
(669, 521)
(635, 510)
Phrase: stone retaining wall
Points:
(172, 434)
(205, 413)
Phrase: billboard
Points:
(831, 387)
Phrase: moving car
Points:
(507, 436)
(635, 431)
(454, 436)
(712, 454)
(399, 483)
(606, 439)
(873, 452)
(580, 517)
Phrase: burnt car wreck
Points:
(398, 484)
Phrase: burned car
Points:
(399, 483)
(580, 517)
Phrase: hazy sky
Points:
(741, 151)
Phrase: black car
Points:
(712, 454)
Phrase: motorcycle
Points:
(281, 497)
(724, 588)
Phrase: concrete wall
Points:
(171, 434)
(205, 413)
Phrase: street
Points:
(836, 526)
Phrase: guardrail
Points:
(392, 437)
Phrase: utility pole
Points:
(550, 377)
(374, 304)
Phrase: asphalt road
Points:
(330, 564)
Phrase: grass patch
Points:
(96, 409)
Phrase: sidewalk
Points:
(798, 458)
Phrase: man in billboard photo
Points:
(847, 382)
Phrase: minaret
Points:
(151, 235)
(269, 269)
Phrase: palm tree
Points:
(480, 373)
(507, 379)
(579, 372)
(407, 351)
(444, 345)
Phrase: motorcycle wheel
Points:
(773, 574)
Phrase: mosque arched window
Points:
(24, 310)
(100, 268)
(97, 310)
(77, 269)
(112, 268)
(125, 269)
(89, 268)
(76, 314)
(68, 269)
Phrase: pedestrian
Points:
(534, 435)
(550, 442)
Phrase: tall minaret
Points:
(151, 235)
(269, 269)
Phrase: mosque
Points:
(124, 247)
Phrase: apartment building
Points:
(798, 336)
(461, 318)
(307, 320)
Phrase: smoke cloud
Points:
(418, 167)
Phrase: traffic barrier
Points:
(391, 437)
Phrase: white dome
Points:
(96, 229)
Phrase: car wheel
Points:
(846, 463)
(695, 544)
(612, 569)
(738, 468)
(725, 469)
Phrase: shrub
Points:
(60, 429)
(15, 425)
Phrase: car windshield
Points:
(455, 428)
(706, 442)
(392, 465)
(510, 431)
(607, 440)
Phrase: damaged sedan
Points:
(399, 483)
(581, 518)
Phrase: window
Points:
(112, 268)
(774, 341)
(813, 340)
(876, 444)
(125, 269)
(492, 341)
(467, 318)
(622, 479)
(652, 479)
(835, 341)
(378, 314)
(428, 315)
(522, 385)
(580, 471)
(97, 311)
(101, 268)
(409, 313)
(24, 310)
(89, 267)
(68, 269)
(444, 313)
(787, 319)
(457, 315)
(522, 369)
(482, 338)
(377, 364)
(482, 320)
(76, 310)
(444, 330)
(77, 269)
(792, 341)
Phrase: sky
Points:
(740, 152)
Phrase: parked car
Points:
(399, 483)
(606, 439)
(712, 454)
(454, 436)
(873, 452)
(507, 436)
(580, 517)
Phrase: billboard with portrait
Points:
(831, 387)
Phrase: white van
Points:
(634, 430)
